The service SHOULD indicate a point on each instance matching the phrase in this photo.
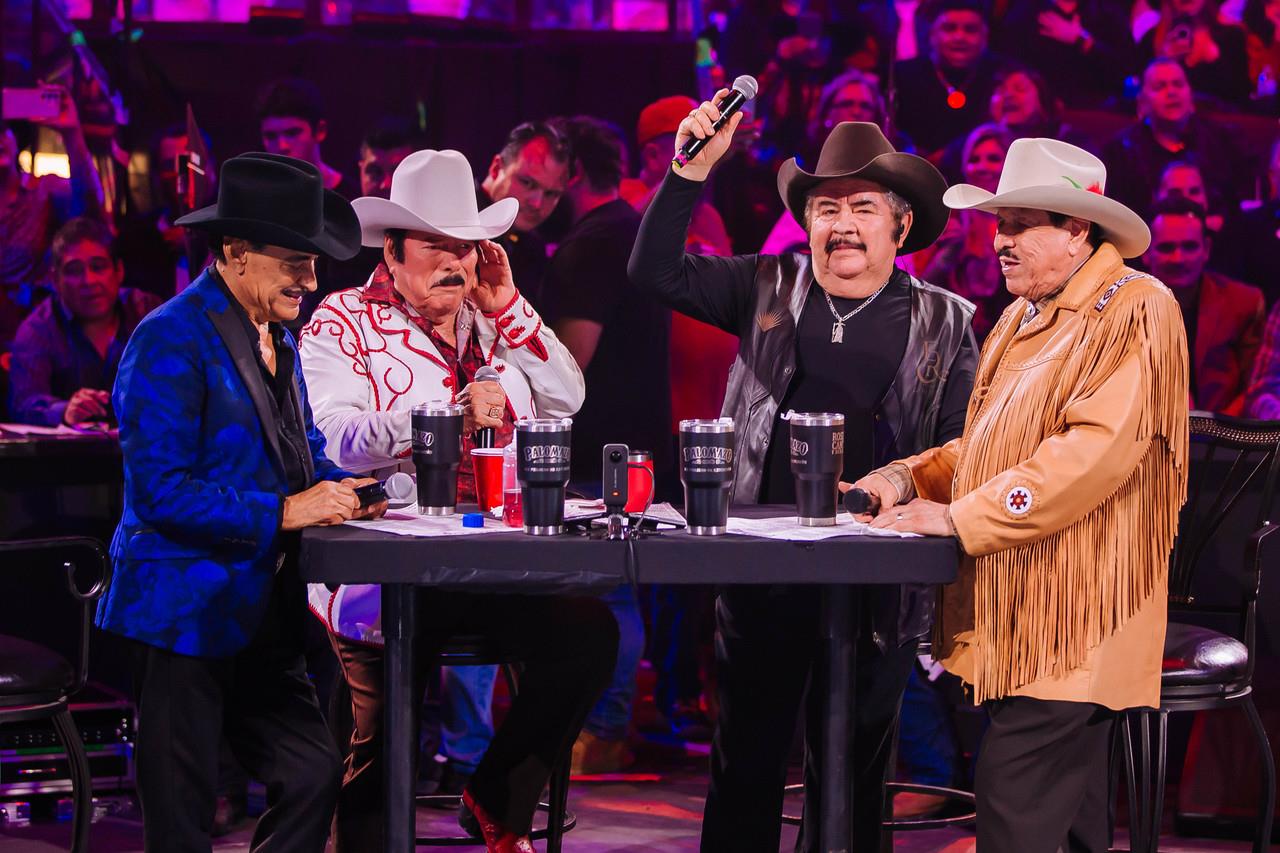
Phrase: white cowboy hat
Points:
(1048, 174)
(433, 191)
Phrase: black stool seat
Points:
(1195, 656)
(30, 669)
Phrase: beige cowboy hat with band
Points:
(858, 149)
(434, 192)
(1055, 176)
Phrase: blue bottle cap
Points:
(473, 519)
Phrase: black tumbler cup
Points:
(706, 469)
(817, 461)
(437, 451)
(542, 467)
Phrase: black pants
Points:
(1042, 779)
(569, 645)
(767, 650)
(261, 701)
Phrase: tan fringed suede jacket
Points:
(1064, 491)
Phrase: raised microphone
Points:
(744, 89)
(484, 436)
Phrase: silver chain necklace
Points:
(837, 328)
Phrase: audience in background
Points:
(32, 209)
(1224, 317)
(1213, 53)
(944, 93)
(1081, 46)
(619, 337)
(1168, 129)
(291, 121)
(1185, 180)
(159, 256)
(1264, 385)
(66, 353)
(532, 168)
(1261, 19)
(382, 148)
(1257, 240)
(962, 260)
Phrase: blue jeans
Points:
(466, 715)
(926, 743)
(611, 716)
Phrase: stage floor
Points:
(656, 808)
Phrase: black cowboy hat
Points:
(858, 149)
(279, 201)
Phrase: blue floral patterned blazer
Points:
(204, 482)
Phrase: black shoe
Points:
(230, 813)
(689, 723)
(452, 783)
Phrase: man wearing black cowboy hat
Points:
(840, 330)
(222, 466)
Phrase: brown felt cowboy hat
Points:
(858, 149)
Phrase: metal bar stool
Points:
(36, 683)
(1203, 668)
(469, 650)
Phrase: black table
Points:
(59, 460)
(513, 562)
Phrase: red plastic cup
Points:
(639, 484)
(488, 467)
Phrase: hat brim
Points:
(339, 238)
(1123, 228)
(912, 177)
(379, 215)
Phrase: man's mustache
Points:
(455, 280)
(835, 244)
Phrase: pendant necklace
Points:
(837, 328)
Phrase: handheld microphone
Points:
(744, 89)
(859, 502)
(486, 373)
(398, 488)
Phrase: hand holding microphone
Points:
(485, 403)
(704, 137)
(866, 498)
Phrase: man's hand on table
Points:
(87, 405)
(328, 503)
(919, 516)
(878, 487)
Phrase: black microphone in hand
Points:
(484, 436)
(859, 502)
(744, 89)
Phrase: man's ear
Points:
(387, 256)
(320, 131)
(904, 227)
(495, 167)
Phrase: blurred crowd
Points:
(1178, 97)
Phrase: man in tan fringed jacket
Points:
(1063, 492)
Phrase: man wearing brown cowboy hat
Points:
(1064, 495)
(223, 466)
(840, 330)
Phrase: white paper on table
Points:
(33, 429)
(407, 522)
(789, 529)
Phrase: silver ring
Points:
(899, 516)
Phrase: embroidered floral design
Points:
(1019, 500)
(770, 320)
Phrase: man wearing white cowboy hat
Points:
(1063, 493)
(441, 305)
(846, 330)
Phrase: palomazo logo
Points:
(423, 440)
(702, 454)
(547, 453)
(799, 448)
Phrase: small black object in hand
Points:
(371, 494)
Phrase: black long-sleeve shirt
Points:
(853, 375)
